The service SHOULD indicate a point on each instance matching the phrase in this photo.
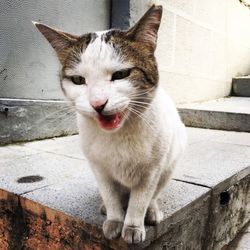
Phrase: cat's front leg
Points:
(111, 197)
(133, 231)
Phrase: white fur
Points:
(139, 156)
(128, 157)
(118, 153)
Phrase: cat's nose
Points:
(99, 106)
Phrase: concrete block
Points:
(25, 120)
(218, 57)
(16, 152)
(242, 241)
(188, 231)
(208, 163)
(237, 52)
(206, 88)
(198, 134)
(241, 86)
(172, 82)
(196, 88)
(183, 43)
(205, 205)
(227, 114)
(201, 48)
(165, 48)
(231, 211)
(236, 27)
(67, 200)
(67, 146)
(224, 167)
(233, 138)
(37, 171)
(185, 6)
(80, 199)
(212, 13)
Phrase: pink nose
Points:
(99, 105)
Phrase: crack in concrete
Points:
(32, 190)
(193, 183)
(55, 153)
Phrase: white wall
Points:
(202, 44)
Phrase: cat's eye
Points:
(78, 80)
(121, 74)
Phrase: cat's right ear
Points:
(59, 40)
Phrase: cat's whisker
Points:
(140, 105)
(140, 115)
(140, 102)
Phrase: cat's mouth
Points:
(110, 122)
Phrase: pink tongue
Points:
(109, 121)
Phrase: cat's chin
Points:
(111, 122)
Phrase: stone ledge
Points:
(205, 205)
(26, 120)
(241, 86)
(232, 114)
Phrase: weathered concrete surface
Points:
(205, 205)
(231, 114)
(25, 224)
(80, 199)
(241, 242)
(241, 86)
(51, 167)
(220, 160)
(69, 188)
(57, 146)
(25, 120)
(209, 163)
(230, 212)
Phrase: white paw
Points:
(112, 229)
(133, 235)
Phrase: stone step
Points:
(49, 198)
(241, 86)
(26, 120)
(230, 113)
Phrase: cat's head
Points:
(109, 76)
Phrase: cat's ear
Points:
(59, 40)
(146, 29)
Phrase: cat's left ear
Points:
(59, 40)
(146, 29)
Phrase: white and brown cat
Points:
(130, 130)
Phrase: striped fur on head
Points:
(97, 57)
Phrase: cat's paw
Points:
(133, 235)
(112, 229)
(103, 209)
(153, 216)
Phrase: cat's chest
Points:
(121, 157)
(116, 150)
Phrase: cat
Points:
(130, 130)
